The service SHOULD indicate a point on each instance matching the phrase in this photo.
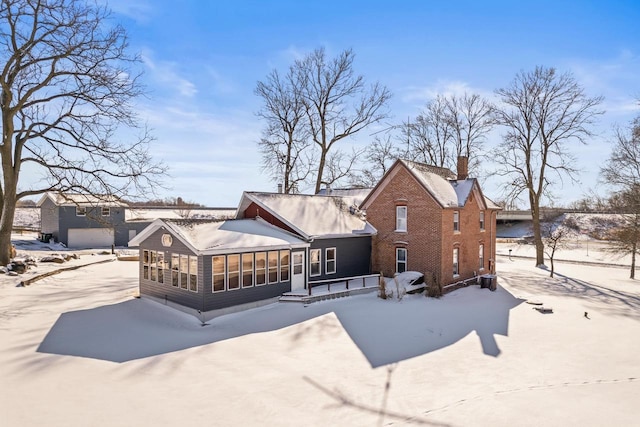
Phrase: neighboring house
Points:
(203, 265)
(85, 221)
(432, 221)
(338, 234)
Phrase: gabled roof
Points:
(355, 195)
(311, 215)
(150, 214)
(440, 183)
(205, 237)
(85, 200)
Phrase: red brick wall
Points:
(423, 239)
(430, 237)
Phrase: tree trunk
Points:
(6, 226)
(323, 158)
(633, 261)
(537, 233)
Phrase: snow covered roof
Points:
(66, 199)
(211, 237)
(311, 215)
(150, 214)
(356, 195)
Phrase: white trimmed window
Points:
(314, 262)
(456, 262)
(105, 211)
(233, 272)
(247, 270)
(401, 218)
(481, 256)
(218, 275)
(482, 221)
(184, 271)
(175, 270)
(456, 221)
(81, 211)
(145, 264)
(330, 261)
(153, 275)
(401, 260)
(261, 268)
(160, 259)
(284, 265)
(193, 273)
(272, 262)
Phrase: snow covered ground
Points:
(79, 349)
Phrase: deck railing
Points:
(346, 280)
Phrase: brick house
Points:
(432, 221)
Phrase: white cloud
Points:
(165, 73)
(139, 10)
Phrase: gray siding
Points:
(94, 219)
(166, 291)
(204, 299)
(353, 257)
(49, 218)
(122, 231)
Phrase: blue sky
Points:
(202, 60)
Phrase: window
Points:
(160, 259)
(401, 218)
(456, 221)
(184, 271)
(233, 272)
(193, 273)
(81, 211)
(106, 211)
(153, 276)
(481, 257)
(272, 257)
(247, 270)
(145, 264)
(314, 261)
(456, 270)
(261, 268)
(298, 260)
(401, 260)
(284, 266)
(482, 221)
(330, 260)
(218, 273)
(175, 270)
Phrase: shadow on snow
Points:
(385, 331)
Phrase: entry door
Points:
(297, 268)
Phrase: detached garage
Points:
(90, 237)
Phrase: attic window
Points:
(401, 218)
(482, 221)
(456, 221)
(81, 211)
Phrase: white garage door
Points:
(90, 237)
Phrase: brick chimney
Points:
(463, 167)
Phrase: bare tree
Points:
(379, 156)
(543, 112)
(554, 235)
(430, 135)
(471, 118)
(338, 103)
(285, 142)
(622, 170)
(67, 85)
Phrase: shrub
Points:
(434, 289)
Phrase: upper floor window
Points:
(482, 221)
(106, 211)
(81, 211)
(401, 218)
(456, 221)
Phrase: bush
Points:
(382, 285)
(434, 289)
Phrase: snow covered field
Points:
(79, 349)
